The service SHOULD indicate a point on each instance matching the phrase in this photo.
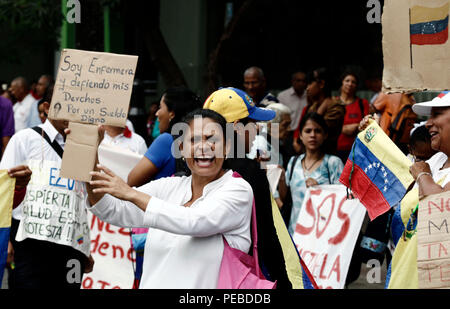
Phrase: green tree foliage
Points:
(27, 24)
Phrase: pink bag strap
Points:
(254, 232)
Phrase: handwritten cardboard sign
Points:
(325, 235)
(113, 255)
(416, 45)
(433, 242)
(93, 87)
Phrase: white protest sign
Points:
(93, 87)
(113, 257)
(433, 242)
(54, 208)
(325, 235)
(118, 159)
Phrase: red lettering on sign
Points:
(123, 231)
(108, 229)
(324, 262)
(336, 268)
(442, 250)
(117, 251)
(103, 284)
(333, 199)
(310, 210)
(88, 283)
(103, 245)
(443, 205)
(345, 225)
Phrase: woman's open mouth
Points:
(204, 161)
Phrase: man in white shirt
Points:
(124, 138)
(49, 230)
(295, 98)
(25, 101)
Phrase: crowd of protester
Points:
(315, 131)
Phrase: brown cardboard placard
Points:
(433, 242)
(411, 61)
(93, 87)
(80, 152)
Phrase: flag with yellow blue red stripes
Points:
(6, 202)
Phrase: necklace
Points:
(311, 166)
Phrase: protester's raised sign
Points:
(93, 87)
(325, 235)
(433, 242)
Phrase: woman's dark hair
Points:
(347, 73)
(207, 113)
(317, 118)
(181, 101)
(420, 134)
(320, 74)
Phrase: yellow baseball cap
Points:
(234, 104)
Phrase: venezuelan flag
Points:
(296, 269)
(429, 26)
(377, 172)
(6, 202)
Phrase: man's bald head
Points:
(19, 88)
(255, 83)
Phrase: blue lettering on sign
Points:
(57, 181)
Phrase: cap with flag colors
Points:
(377, 171)
(234, 104)
(429, 26)
(6, 203)
(424, 108)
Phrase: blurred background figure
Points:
(44, 89)
(255, 86)
(152, 123)
(295, 98)
(6, 118)
(321, 102)
(420, 144)
(20, 90)
(396, 117)
(355, 110)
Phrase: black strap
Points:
(58, 149)
(292, 167)
(361, 107)
(397, 119)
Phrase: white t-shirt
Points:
(135, 143)
(22, 111)
(184, 245)
(290, 98)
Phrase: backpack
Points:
(398, 118)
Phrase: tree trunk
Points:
(212, 74)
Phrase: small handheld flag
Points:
(377, 171)
(6, 202)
